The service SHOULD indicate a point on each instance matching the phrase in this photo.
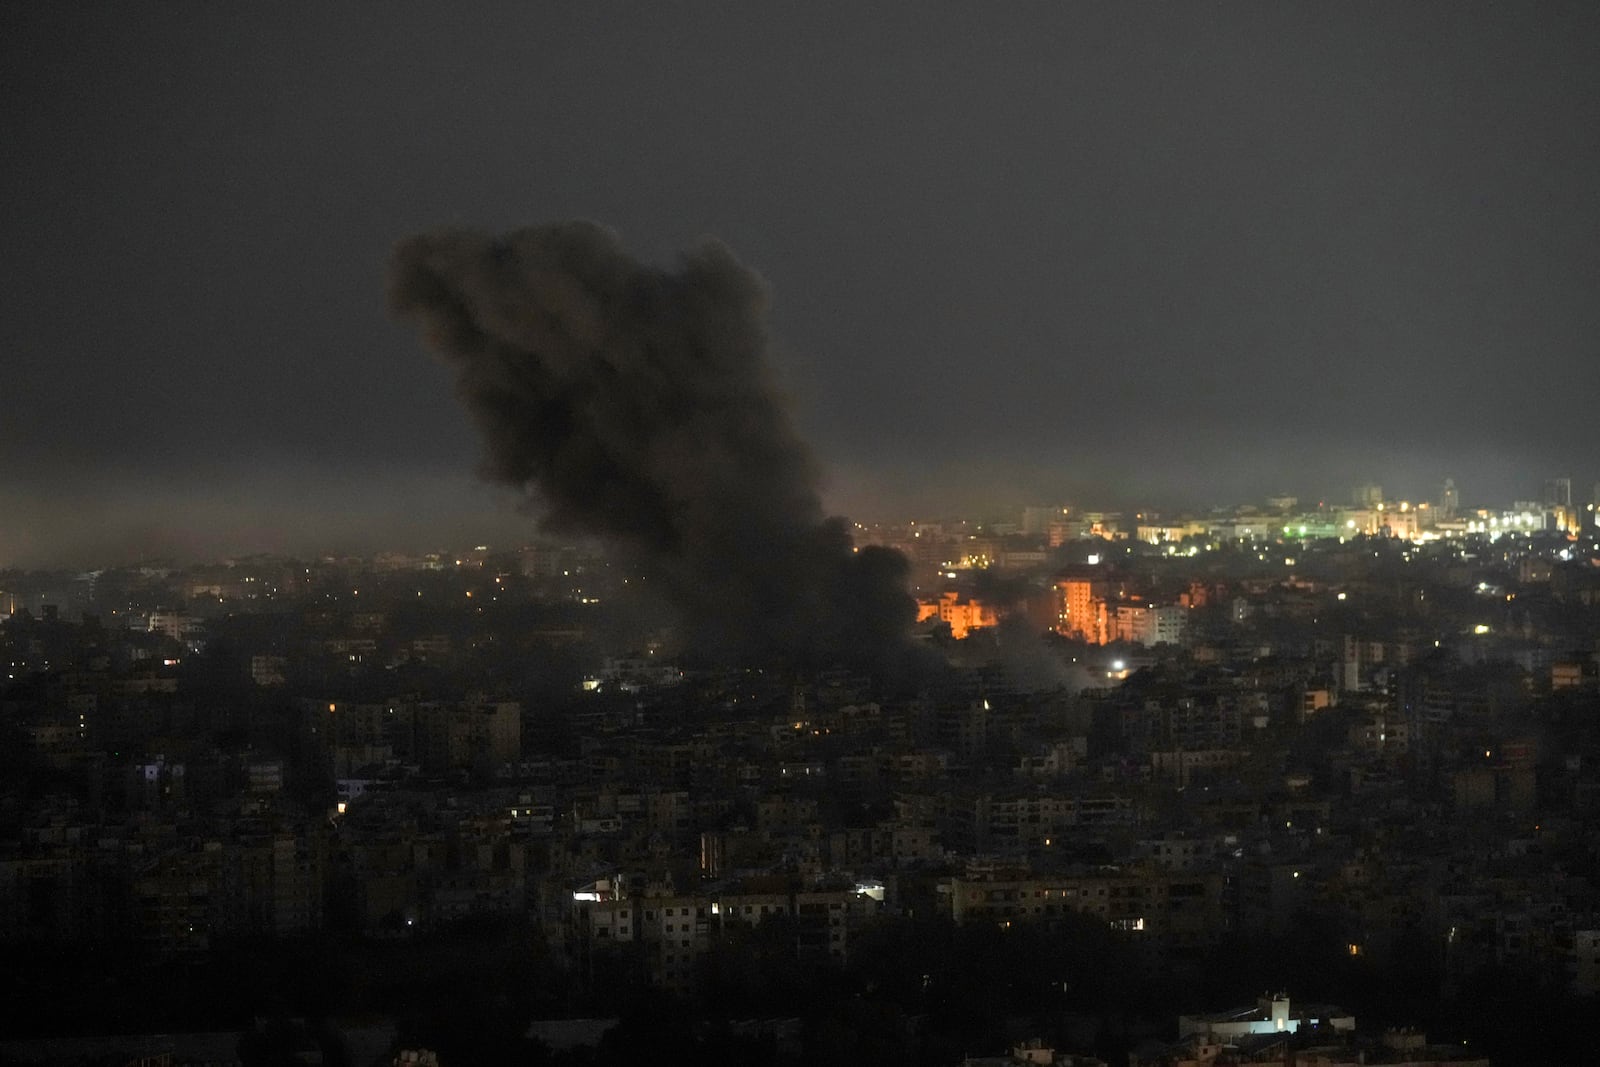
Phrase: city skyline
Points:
(1559, 506)
(1103, 254)
(499, 519)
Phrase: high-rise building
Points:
(1449, 500)
(1083, 611)
(1558, 493)
(1367, 496)
(1557, 501)
(1036, 521)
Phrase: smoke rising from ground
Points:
(637, 404)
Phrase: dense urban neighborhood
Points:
(1271, 785)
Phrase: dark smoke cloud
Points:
(637, 404)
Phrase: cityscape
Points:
(773, 535)
(1138, 769)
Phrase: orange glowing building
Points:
(963, 614)
(1082, 611)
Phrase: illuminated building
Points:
(1102, 524)
(1083, 608)
(1270, 1015)
(1400, 520)
(1252, 527)
(962, 614)
(1360, 521)
(1163, 533)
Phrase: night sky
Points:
(1019, 253)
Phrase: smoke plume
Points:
(637, 404)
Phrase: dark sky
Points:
(1018, 253)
